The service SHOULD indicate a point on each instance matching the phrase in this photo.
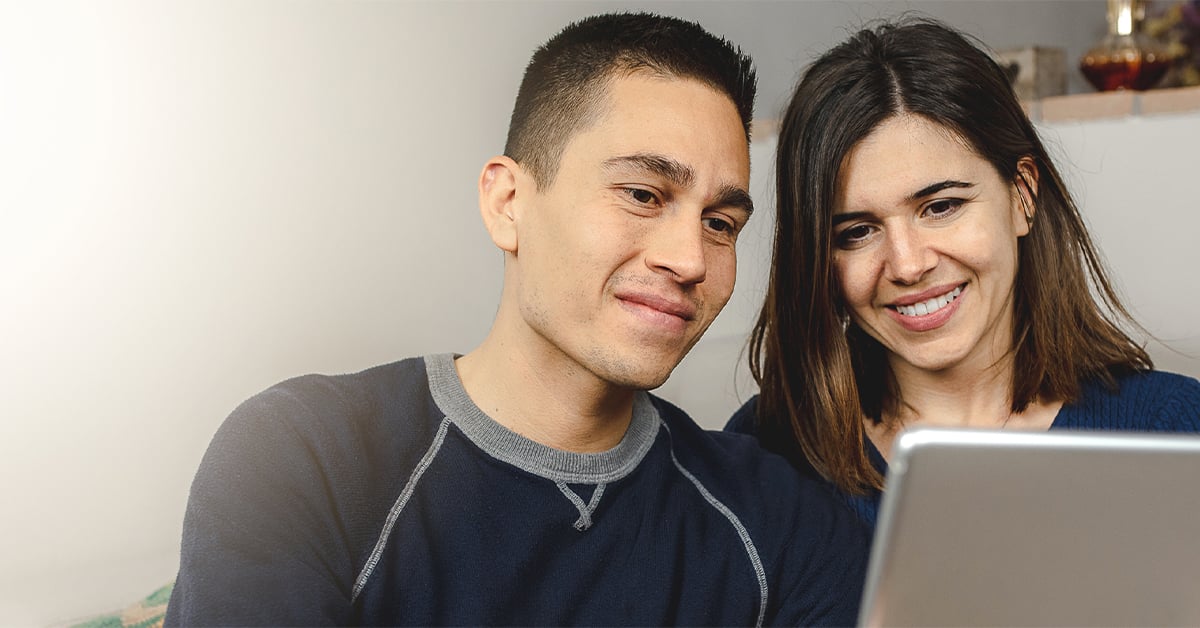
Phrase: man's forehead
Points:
(681, 128)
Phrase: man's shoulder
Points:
(324, 418)
(738, 462)
(324, 389)
(361, 430)
(373, 389)
(307, 468)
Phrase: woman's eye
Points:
(943, 207)
(854, 236)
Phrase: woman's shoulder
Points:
(1146, 389)
(1142, 400)
(744, 420)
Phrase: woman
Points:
(930, 269)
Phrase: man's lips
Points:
(675, 307)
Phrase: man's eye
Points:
(645, 197)
(720, 225)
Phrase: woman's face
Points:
(925, 246)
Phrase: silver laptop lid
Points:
(1061, 528)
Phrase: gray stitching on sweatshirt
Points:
(394, 513)
(585, 510)
(744, 534)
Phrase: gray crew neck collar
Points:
(555, 464)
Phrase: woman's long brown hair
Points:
(818, 374)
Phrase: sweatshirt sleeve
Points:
(262, 543)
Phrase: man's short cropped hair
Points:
(564, 84)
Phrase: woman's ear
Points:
(1026, 186)
(498, 201)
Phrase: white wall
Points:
(1135, 181)
(198, 199)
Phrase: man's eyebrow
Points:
(681, 175)
(938, 187)
(733, 196)
(665, 167)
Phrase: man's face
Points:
(626, 258)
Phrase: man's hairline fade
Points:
(723, 67)
(597, 104)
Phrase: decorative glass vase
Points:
(1126, 58)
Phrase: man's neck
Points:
(544, 397)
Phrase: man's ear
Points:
(498, 201)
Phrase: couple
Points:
(924, 250)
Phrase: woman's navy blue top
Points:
(1149, 401)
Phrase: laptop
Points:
(1060, 528)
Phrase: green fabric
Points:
(145, 613)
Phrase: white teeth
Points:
(930, 306)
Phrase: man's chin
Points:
(644, 378)
(634, 369)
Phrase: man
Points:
(532, 480)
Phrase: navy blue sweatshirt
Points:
(388, 497)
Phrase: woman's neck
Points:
(963, 397)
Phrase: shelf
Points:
(1122, 104)
(1077, 107)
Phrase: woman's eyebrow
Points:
(938, 187)
(928, 190)
(848, 216)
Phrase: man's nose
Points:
(676, 248)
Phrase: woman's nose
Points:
(909, 255)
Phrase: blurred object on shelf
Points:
(1177, 23)
(1035, 71)
(1126, 58)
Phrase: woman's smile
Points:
(928, 314)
